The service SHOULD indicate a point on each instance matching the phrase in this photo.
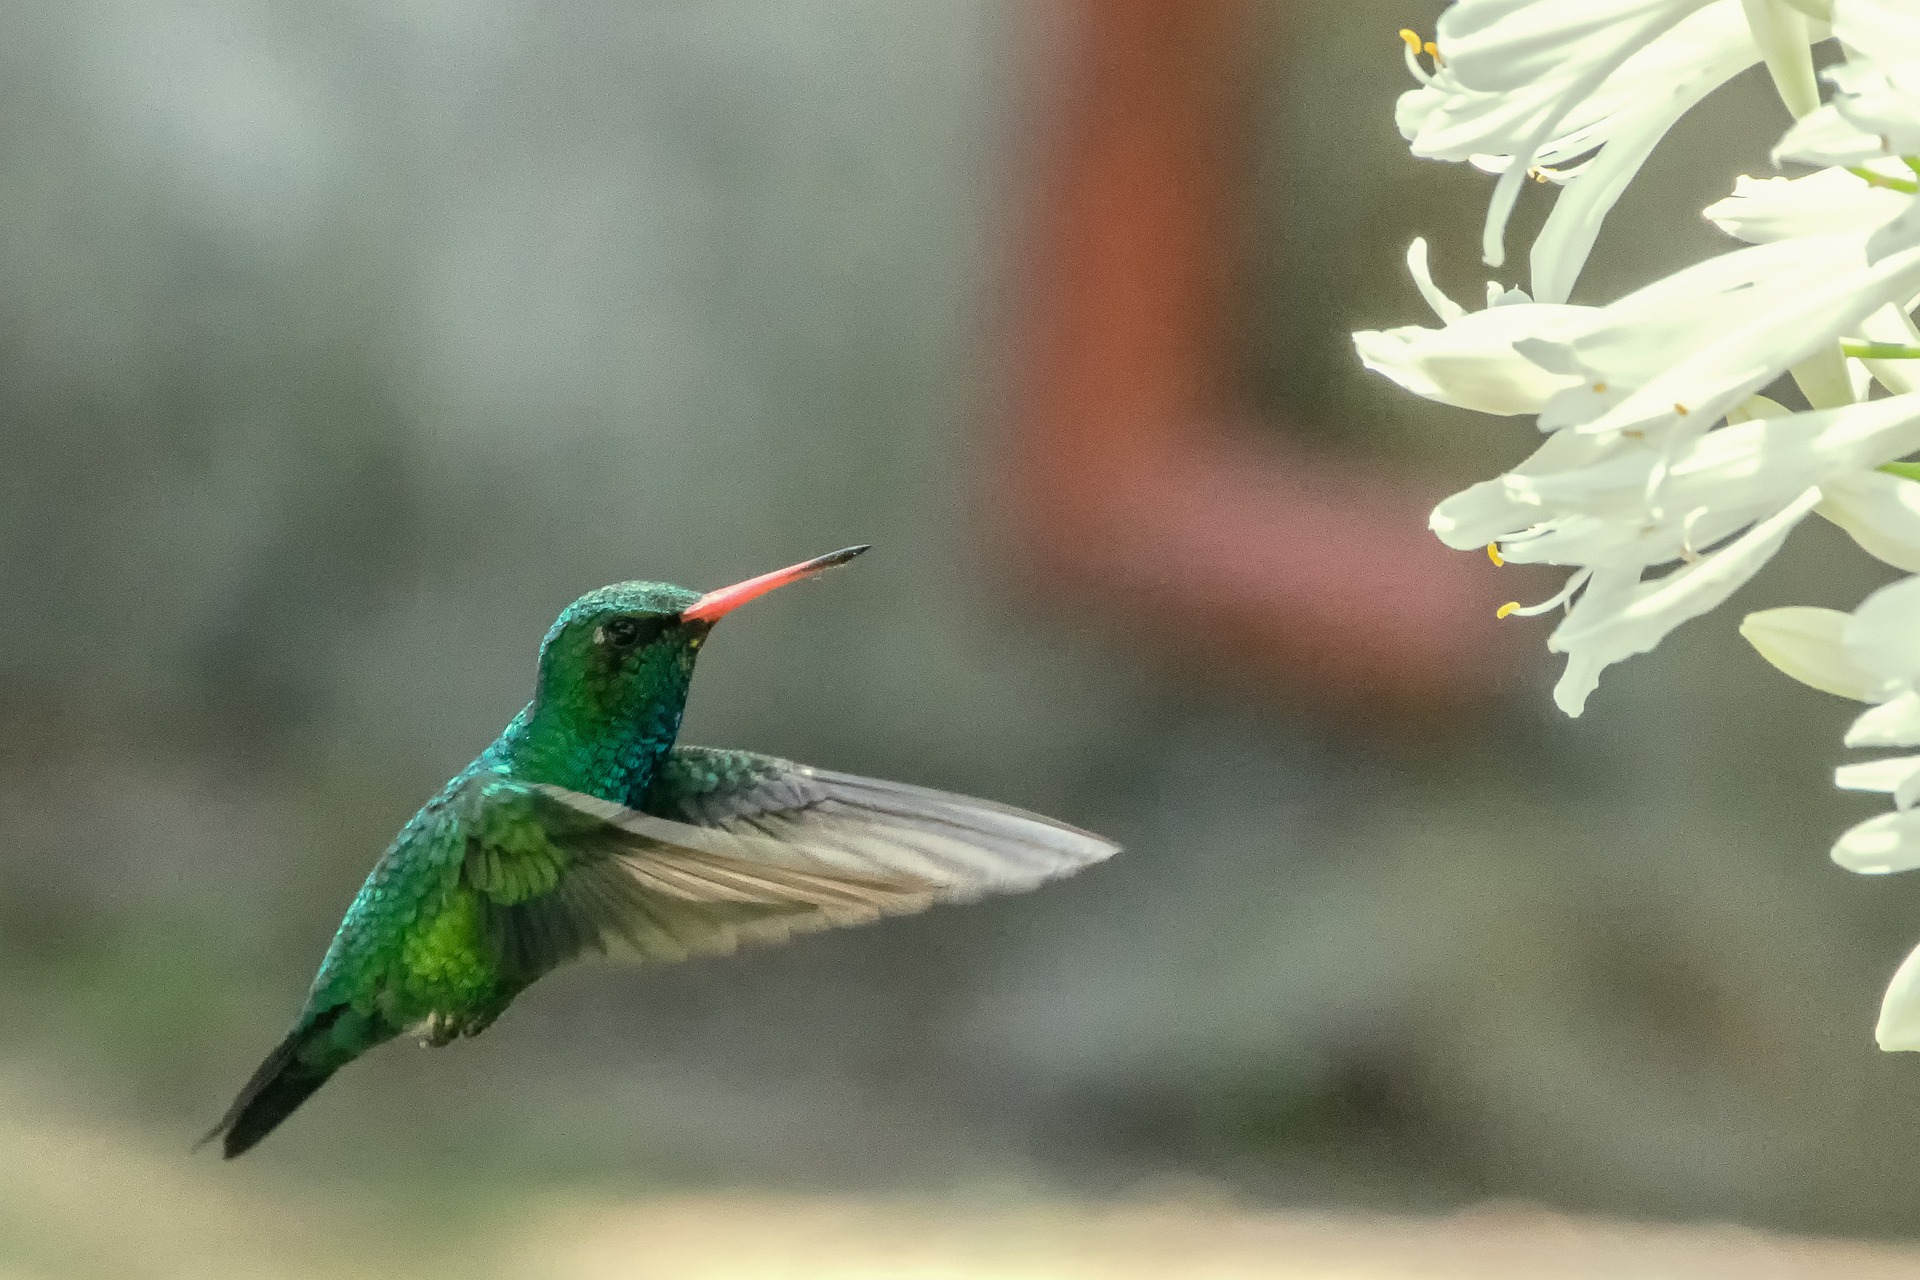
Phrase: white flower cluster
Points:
(1666, 479)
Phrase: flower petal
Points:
(1491, 509)
(1519, 77)
(1877, 24)
(1884, 776)
(1880, 846)
(1900, 232)
(1899, 1026)
(1717, 49)
(1636, 339)
(1766, 210)
(1881, 98)
(1444, 307)
(1652, 609)
(1881, 512)
(1781, 32)
(1883, 636)
(1712, 380)
(1464, 364)
(1895, 723)
(1762, 461)
(1828, 138)
(1806, 643)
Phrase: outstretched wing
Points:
(734, 847)
(961, 848)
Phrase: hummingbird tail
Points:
(291, 1074)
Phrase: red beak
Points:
(715, 605)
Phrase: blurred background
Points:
(342, 346)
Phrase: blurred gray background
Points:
(342, 346)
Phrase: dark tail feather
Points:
(282, 1083)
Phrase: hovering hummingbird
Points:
(584, 828)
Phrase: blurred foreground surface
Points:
(207, 1222)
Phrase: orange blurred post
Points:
(1123, 468)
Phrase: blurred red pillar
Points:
(1129, 485)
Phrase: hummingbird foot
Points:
(442, 1028)
(439, 1030)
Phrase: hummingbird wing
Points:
(735, 847)
(962, 847)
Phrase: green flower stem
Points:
(1880, 351)
(1873, 179)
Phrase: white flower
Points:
(1763, 210)
(1578, 94)
(1899, 1025)
(1613, 508)
(1875, 111)
(1873, 655)
(1662, 456)
(1706, 383)
(1571, 363)
(1612, 501)
(1808, 644)
(1873, 108)
(1470, 360)
(1878, 511)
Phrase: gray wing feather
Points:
(739, 848)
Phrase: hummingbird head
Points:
(618, 651)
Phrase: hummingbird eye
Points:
(625, 632)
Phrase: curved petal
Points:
(1652, 609)
(1767, 210)
(1888, 777)
(1880, 846)
(1806, 643)
(1895, 723)
(1899, 1026)
(1881, 512)
(1561, 249)
(1883, 636)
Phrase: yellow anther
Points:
(1681, 409)
(1510, 606)
(1493, 554)
(1412, 39)
(1433, 51)
(1600, 388)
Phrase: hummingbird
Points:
(586, 828)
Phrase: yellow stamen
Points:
(1681, 409)
(1507, 608)
(1493, 554)
(1413, 40)
(1433, 51)
(1600, 388)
